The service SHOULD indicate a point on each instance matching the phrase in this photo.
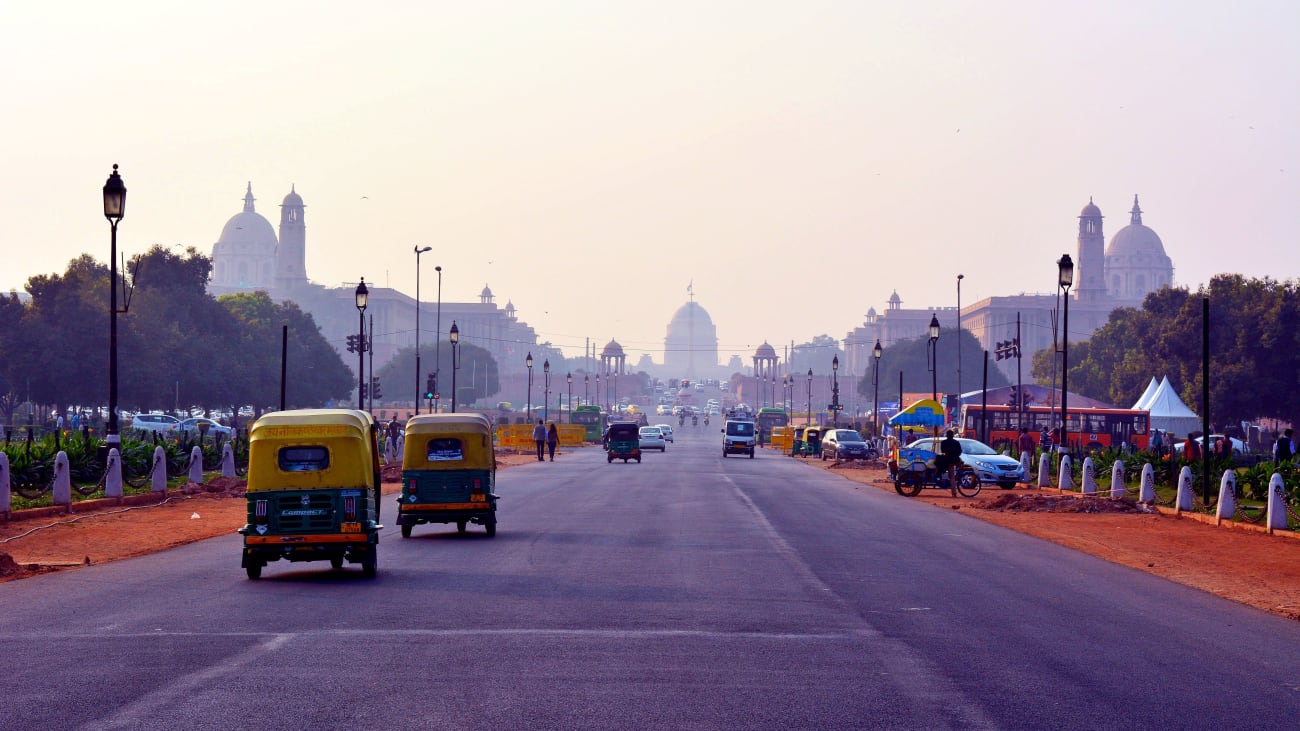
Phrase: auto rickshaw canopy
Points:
(448, 442)
(305, 449)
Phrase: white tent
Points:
(1141, 403)
(1169, 413)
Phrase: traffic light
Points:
(352, 343)
(431, 386)
(363, 392)
(1007, 349)
(375, 390)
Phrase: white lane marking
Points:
(278, 639)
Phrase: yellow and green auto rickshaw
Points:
(448, 473)
(796, 446)
(624, 442)
(812, 441)
(313, 489)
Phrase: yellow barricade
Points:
(520, 436)
(782, 438)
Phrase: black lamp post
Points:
(809, 421)
(454, 338)
(600, 396)
(835, 391)
(418, 250)
(568, 377)
(959, 278)
(933, 353)
(546, 389)
(875, 385)
(529, 362)
(363, 296)
(1065, 278)
(586, 397)
(114, 209)
(437, 343)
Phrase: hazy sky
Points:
(797, 160)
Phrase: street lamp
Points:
(809, 421)
(546, 389)
(875, 384)
(933, 357)
(418, 250)
(835, 391)
(601, 397)
(568, 377)
(959, 278)
(437, 324)
(114, 209)
(1065, 278)
(454, 337)
(586, 397)
(363, 296)
(529, 362)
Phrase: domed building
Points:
(243, 259)
(1136, 262)
(691, 346)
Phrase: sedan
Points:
(651, 437)
(989, 465)
(846, 444)
(192, 428)
(667, 429)
(1238, 446)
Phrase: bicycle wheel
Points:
(968, 484)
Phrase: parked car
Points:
(989, 465)
(651, 437)
(667, 429)
(158, 423)
(846, 444)
(1238, 446)
(191, 428)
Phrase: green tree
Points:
(476, 380)
(912, 357)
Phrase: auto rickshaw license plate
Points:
(350, 528)
(477, 497)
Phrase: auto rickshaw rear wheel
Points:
(460, 526)
(406, 531)
(336, 562)
(368, 564)
(254, 570)
(491, 529)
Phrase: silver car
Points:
(652, 438)
(991, 466)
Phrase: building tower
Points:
(291, 254)
(1091, 255)
(765, 362)
(1136, 262)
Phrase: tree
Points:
(912, 357)
(476, 380)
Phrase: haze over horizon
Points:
(589, 160)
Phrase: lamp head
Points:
(934, 327)
(877, 351)
(568, 377)
(546, 366)
(363, 295)
(1065, 271)
(529, 361)
(835, 363)
(114, 197)
(454, 335)
(421, 249)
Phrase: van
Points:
(738, 436)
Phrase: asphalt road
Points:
(688, 591)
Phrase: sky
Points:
(796, 162)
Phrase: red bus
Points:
(1088, 428)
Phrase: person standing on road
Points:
(552, 439)
(539, 438)
(1026, 442)
(949, 458)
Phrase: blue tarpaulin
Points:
(922, 413)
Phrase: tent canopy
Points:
(1150, 391)
(926, 412)
(1169, 413)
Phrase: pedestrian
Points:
(1157, 443)
(1026, 442)
(552, 440)
(1283, 448)
(539, 438)
(1225, 447)
(1192, 450)
(393, 429)
(948, 459)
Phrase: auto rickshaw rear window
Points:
(444, 450)
(304, 459)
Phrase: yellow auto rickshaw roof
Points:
(473, 430)
(346, 433)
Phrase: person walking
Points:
(1026, 442)
(1283, 448)
(552, 440)
(539, 438)
(949, 458)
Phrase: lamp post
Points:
(546, 389)
(437, 324)
(959, 278)
(875, 385)
(933, 352)
(454, 338)
(418, 250)
(600, 396)
(529, 362)
(835, 391)
(1065, 278)
(114, 209)
(363, 296)
(809, 421)
(785, 396)
(586, 397)
(568, 377)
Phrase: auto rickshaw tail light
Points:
(349, 508)
(478, 485)
(259, 511)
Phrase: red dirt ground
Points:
(1245, 566)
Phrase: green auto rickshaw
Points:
(448, 473)
(624, 442)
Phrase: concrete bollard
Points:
(1065, 477)
(113, 480)
(1089, 479)
(62, 480)
(1147, 491)
(158, 471)
(401, 447)
(1117, 487)
(1024, 466)
(1227, 506)
(1184, 499)
(1276, 504)
(389, 450)
(227, 461)
(196, 465)
(1045, 471)
(6, 487)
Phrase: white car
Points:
(667, 429)
(1238, 446)
(991, 466)
(157, 423)
(651, 437)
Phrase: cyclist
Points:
(949, 459)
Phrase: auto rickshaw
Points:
(797, 444)
(313, 489)
(448, 473)
(624, 442)
(812, 441)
